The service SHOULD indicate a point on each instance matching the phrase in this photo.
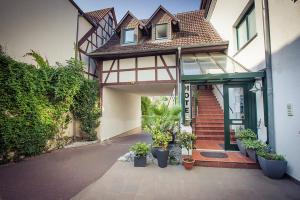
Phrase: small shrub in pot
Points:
(163, 140)
(272, 165)
(244, 135)
(186, 141)
(252, 146)
(140, 151)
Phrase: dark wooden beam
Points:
(166, 66)
(112, 65)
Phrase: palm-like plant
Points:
(163, 118)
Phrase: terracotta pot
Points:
(188, 163)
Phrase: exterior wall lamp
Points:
(256, 87)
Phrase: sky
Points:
(142, 9)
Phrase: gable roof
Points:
(194, 31)
(125, 16)
(97, 15)
(157, 11)
(82, 13)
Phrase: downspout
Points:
(77, 32)
(269, 79)
(179, 84)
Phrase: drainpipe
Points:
(179, 86)
(77, 32)
(268, 58)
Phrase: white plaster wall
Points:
(48, 27)
(143, 62)
(148, 61)
(285, 43)
(225, 14)
(169, 59)
(121, 113)
(217, 94)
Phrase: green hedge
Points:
(35, 104)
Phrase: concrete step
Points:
(234, 160)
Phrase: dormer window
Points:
(161, 31)
(128, 36)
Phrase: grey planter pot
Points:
(154, 151)
(162, 158)
(252, 154)
(140, 161)
(273, 168)
(241, 147)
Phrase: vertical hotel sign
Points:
(187, 102)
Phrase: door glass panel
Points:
(233, 130)
(236, 103)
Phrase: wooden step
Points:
(210, 116)
(210, 137)
(209, 120)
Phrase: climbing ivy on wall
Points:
(86, 108)
(36, 102)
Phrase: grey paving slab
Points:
(123, 181)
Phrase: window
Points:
(161, 31)
(246, 28)
(128, 36)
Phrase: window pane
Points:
(242, 34)
(161, 31)
(251, 24)
(129, 36)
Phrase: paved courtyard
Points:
(61, 174)
(125, 182)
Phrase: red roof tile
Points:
(97, 15)
(194, 30)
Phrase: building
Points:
(214, 60)
(240, 22)
(53, 28)
(230, 63)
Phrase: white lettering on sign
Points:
(187, 102)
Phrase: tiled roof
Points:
(97, 15)
(194, 30)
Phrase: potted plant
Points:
(140, 151)
(163, 140)
(242, 135)
(186, 140)
(155, 131)
(252, 146)
(272, 164)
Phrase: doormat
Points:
(210, 154)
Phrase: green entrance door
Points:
(239, 111)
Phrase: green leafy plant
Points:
(163, 117)
(186, 140)
(270, 156)
(140, 149)
(245, 134)
(36, 102)
(162, 140)
(86, 108)
(254, 144)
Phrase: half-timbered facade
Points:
(96, 36)
(143, 57)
